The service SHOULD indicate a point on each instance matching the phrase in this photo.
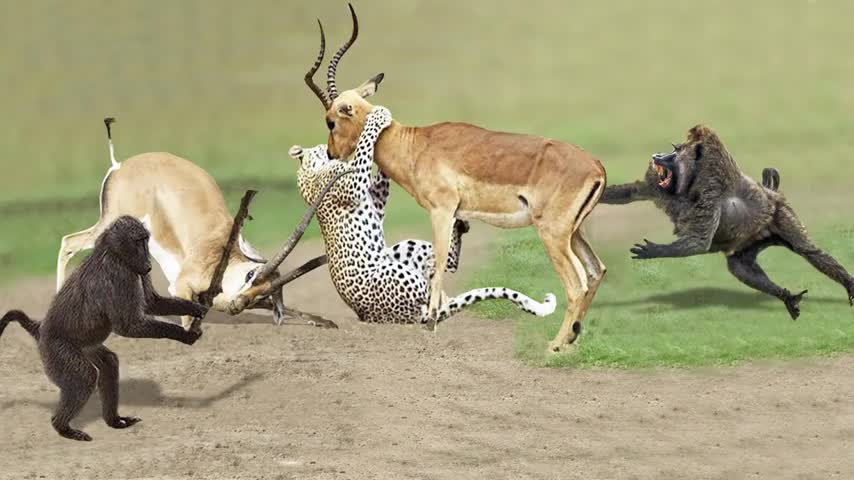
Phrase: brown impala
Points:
(504, 179)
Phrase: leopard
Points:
(382, 284)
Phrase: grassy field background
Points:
(221, 83)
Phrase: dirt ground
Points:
(255, 401)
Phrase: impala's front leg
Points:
(443, 221)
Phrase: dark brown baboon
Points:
(110, 292)
(716, 208)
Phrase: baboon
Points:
(716, 208)
(110, 292)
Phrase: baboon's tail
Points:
(31, 326)
(771, 179)
(524, 302)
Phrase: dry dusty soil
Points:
(255, 401)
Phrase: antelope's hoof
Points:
(431, 324)
(323, 323)
(562, 348)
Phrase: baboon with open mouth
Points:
(716, 208)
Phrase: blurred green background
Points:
(221, 83)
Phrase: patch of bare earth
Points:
(255, 401)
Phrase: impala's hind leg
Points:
(593, 266)
(71, 244)
(572, 258)
(575, 286)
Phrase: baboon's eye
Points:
(330, 124)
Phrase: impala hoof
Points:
(324, 323)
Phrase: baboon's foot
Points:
(123, 422)
(73, 434)
(850, 289)
(793, 304)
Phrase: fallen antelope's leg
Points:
(310, 319)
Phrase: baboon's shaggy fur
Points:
(716, 208)
(110, 292)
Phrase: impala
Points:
(458, 170)
(190, 226)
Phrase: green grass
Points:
(678, 312)
(220, 83)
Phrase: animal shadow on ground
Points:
(137, 392)
(703, 297)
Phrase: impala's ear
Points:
(249, 251)
(370, 87)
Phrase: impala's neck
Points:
(395, 152)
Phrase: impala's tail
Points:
(107, 122)
(115, 165)
(524, 302)
(31, 326)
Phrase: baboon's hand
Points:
(646, 250)
(793, 304)
(194, 333)
(199, 310)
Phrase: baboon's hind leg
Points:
(107, 364)
(792, 231)
(75, 375)
(744, 267)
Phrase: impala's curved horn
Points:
(331, 88)
(309, 76)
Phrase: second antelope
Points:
(457, 170)
(190, 225)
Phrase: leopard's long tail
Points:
(524, 302)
